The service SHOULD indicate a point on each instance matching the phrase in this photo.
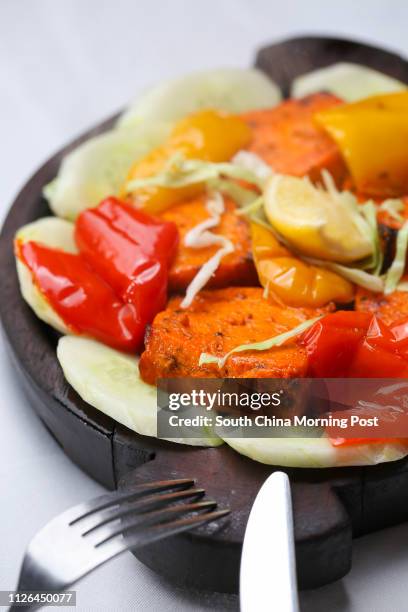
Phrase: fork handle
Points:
(32, 578)
(23, 608)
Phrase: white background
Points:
(65, 65)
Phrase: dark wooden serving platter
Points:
(330, 506)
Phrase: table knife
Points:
(268, 566)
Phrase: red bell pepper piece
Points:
(130, 250)
(351, 441)
(123, 265)
(358, 345)
(331, 342)
(81, 298)
(155, 238)
(118, 283)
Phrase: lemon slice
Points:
(318, 223)
(109, 380)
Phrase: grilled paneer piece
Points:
(389, 308)
(216, 322)
(235, 269)
(287, 138)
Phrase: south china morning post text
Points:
(263, 408)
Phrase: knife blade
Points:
(268, 566)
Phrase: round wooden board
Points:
(330, 506)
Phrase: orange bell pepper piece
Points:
(291, 280)
(208, 135)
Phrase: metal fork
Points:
(82, 538)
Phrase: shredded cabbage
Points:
(265, 293)
(362, 214)
(206, 271)
(253, 162)
(215, 205)
(364, 217)
(264, 345)
(345, 198)
(259, 217)
(330, 186)
(179, 172)
(394, 274)
(252, 207)
(357, 276)
(234, 190)
(199, 237)
(393, 207)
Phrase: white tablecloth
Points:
(64, 65)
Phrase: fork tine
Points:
(114, 546)
(140, 507)
(118, 544)
(156, 517)
(112, 499)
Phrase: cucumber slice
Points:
(98, 167)
(315, 452)
(350, 82)
(233, 90)
(110, 381)
(52, 232)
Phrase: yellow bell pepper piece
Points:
(390, 101)
(208, 135)
(291, 280)
(372, 135)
